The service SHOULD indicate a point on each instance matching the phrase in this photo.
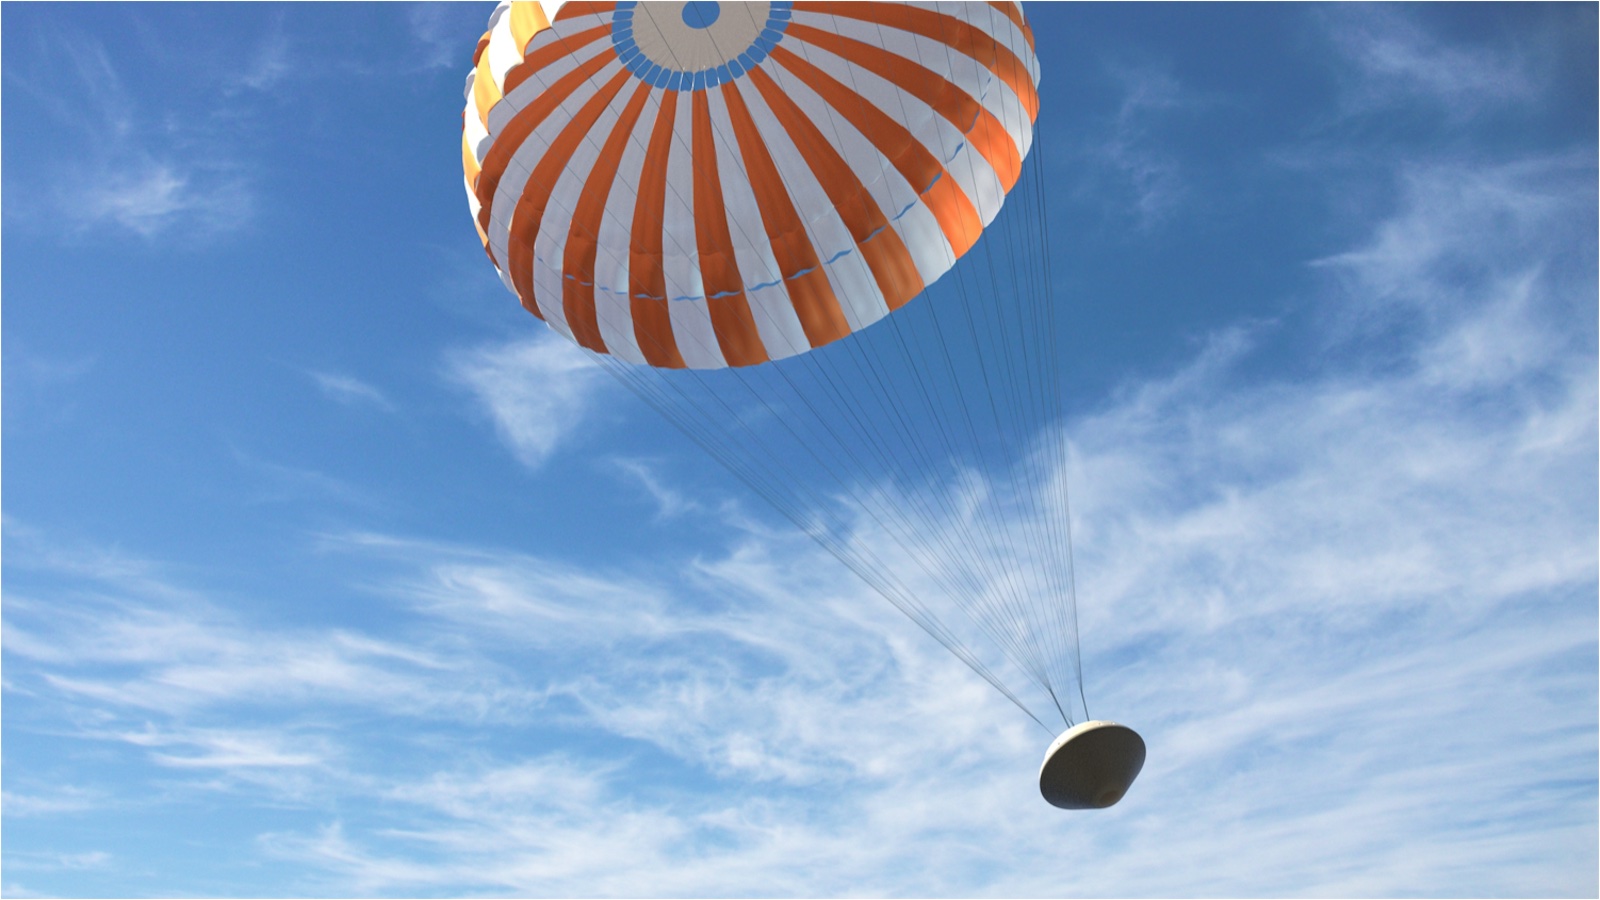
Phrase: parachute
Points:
(751, 215)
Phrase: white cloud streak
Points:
(54, 800)
(122, 170)
(271, 63)
(287, 483)
(670, 503)
(224, 749)
(55, 862)
(1130, 150)
(350, 391)
(1396, 61)
(537, 391)
(131, 641)
(1124, 158)
(430, 25)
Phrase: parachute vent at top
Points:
(705, 185)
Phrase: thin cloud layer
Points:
(1396, 61)
(350, 391)
(127, 164)
(150, 198)
(1147, 174)
(1348, 612)
(536, 391)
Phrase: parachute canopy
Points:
(717, 199)
(711, 185)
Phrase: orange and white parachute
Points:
(713, 186)
(706, 184)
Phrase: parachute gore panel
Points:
(720, 184)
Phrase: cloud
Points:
(1397, 61)
(272, 62)
(432, 30)
(1123, 158)
(144, 656)
(38, 386)
(1433, 258)
(773, 692)
(350, 391)
(286, 483)
(537, 391)
(151, 198)
(57, 799)
(132, 643)
(224, 749)
(99, 85)
(1150, 174)
(122, 168)
(670, 503)
(1393, 450)
(55, 862)
(773, 607)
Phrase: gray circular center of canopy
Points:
(697, 45)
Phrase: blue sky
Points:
(327, 570)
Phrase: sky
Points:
(327, 570)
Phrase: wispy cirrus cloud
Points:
(150, 198)
(281, 483)
(93, 859)
(52, 800)
(1127, 162)
(350, 391)
(134, 641)
(437, 35)
(270, 62)
(141, 654)
(229, 749)
(36, 383)
(537, 391)
(1397, 61)
(670, 502)
(149, 173)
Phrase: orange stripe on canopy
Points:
(529, 214)
(987, 135)
(485, 93)
(880, 245)
(814, 302)
(574, 10)
(523, 124)
(647, 280)
(731, 320)
(957, 217)
(577, 260)
(1013, 11)
(948, 30)
(543, 56)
